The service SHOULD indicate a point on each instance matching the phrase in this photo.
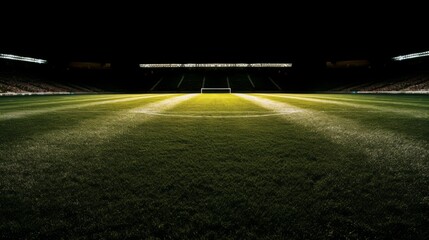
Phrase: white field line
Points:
(50, 102)
(218, 115)
(26, 113)
(220, 112)
(226, 114)
(88, 134)
(415, 104)
(395, 92)
(414, 113)
(381, 146)
(239, 112)
(213, 112)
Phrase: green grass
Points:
(214, 166)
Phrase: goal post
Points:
(215, 90)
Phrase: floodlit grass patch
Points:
(87, 167)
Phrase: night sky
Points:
(215, 33)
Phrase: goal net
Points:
(215, 90)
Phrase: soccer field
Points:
(214, 166)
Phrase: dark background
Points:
(213, 32)
(308, 36)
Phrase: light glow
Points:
(22, 59)
(216, 65)
(412, 55)
(216, 89)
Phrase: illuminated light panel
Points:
(412, 55)
(21, 58)
(169, 65)
(217, 65)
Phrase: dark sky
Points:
(213, 33)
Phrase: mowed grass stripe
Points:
(24, 164)
(384, 149)
(31, 127)
(20, 114)
(415, 113)
(265, 176)
(63, 146)
(411, 125)
(71, 102)
(222, 103)
(24, 100)
(119, 174)
(102, 125)
(163, 172)
(22, 105)
(210, 173)
(371, 99)
(407, 98)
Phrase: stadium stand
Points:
(215, 80)
(407, 82)
(18, 78)
(241, 82)
(21, 83)
(192, 82)
(169, 83)
(263, 83)
(30, 80)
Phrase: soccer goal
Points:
(215, 90)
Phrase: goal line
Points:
(215, 90)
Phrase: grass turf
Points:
(214, 166)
